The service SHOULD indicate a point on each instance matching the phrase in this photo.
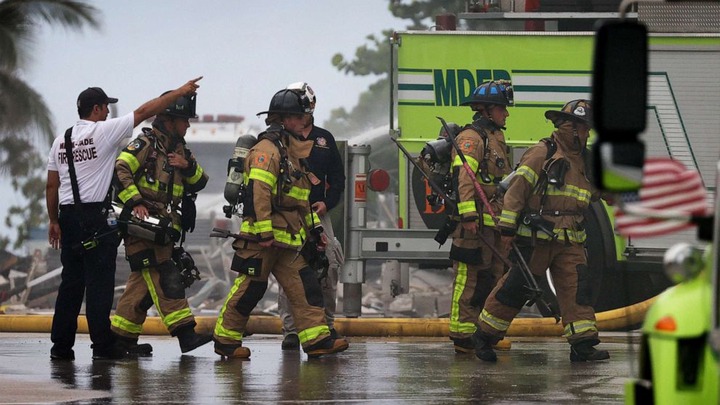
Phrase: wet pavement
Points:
(373, 370)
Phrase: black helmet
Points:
(575, 110)
(304, 90)
(498, 92)
(183, 107)
(288, 102)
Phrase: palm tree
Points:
(22, 109)
(23, 113)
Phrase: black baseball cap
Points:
(92, 96)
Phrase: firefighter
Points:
(544, 204)
(279, 234)
(155, 171)
(476, 268)
(328, 184)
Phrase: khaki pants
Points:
(328, 284)
(568, 267)
(295, 277)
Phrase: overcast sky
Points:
(245, 49)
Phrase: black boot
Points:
(189, 340)
(130, 347)
(584, 351)
(291, 342)
(484, 346)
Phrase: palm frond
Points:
(23, 110)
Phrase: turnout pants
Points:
(472, 285)
(158, 284)
(328, 285)
(573, 286)
(255, 264)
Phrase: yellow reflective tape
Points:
(299, 193)
(152, 291)
(289, 239)
(488, 220)
(579, 327)
(508, 217)
(257, 227)
(128, 193)
(495, 322)
(220, 330)
(312, 218)
(143, 183)
(312, 333)
(178, 190)
(460, 284)
(124, 324)
(573, 236)
(466, 206)
(195, 177)
(571, 191)
(130, 159)
(528, 174)
(263, 175)
(470, 160)
(177, 316)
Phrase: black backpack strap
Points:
(71, 168)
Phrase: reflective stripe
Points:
(466, 206)
(128, 193)
(177, 316)
(460, 284)
(151, 290)
(195, 177)
(578, 327)
(495, 322)
(263, 175)
(299, 193)
(312, 333)
(573, 236)
(570, 191)
(528, 174)
(312, 218)
(509, 217)
(289, 239)
(470, 160)
(488, 220)
(220, 330)
(257, 227)
(155, 187)
(130, 159)
(124, 324)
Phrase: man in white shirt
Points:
(78, 218)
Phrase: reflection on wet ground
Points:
(372, 370)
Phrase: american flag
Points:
(670, 195)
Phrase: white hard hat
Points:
(304, 89)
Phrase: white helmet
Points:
(305, 90)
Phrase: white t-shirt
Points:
(96, 146)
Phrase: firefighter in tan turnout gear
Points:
(155, 172)
(477, 270)
(544, 204)
(279, 234)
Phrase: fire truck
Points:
(433, 72)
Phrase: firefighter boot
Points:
(291, 342)
(129, 347)
(463, 345)
(484, 346)
(326, 346)
(189, 340)
(584, 351)
(232, 351)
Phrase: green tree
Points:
(373, 106)
(23, 113)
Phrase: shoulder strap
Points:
(71, 167)
(551, 147)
